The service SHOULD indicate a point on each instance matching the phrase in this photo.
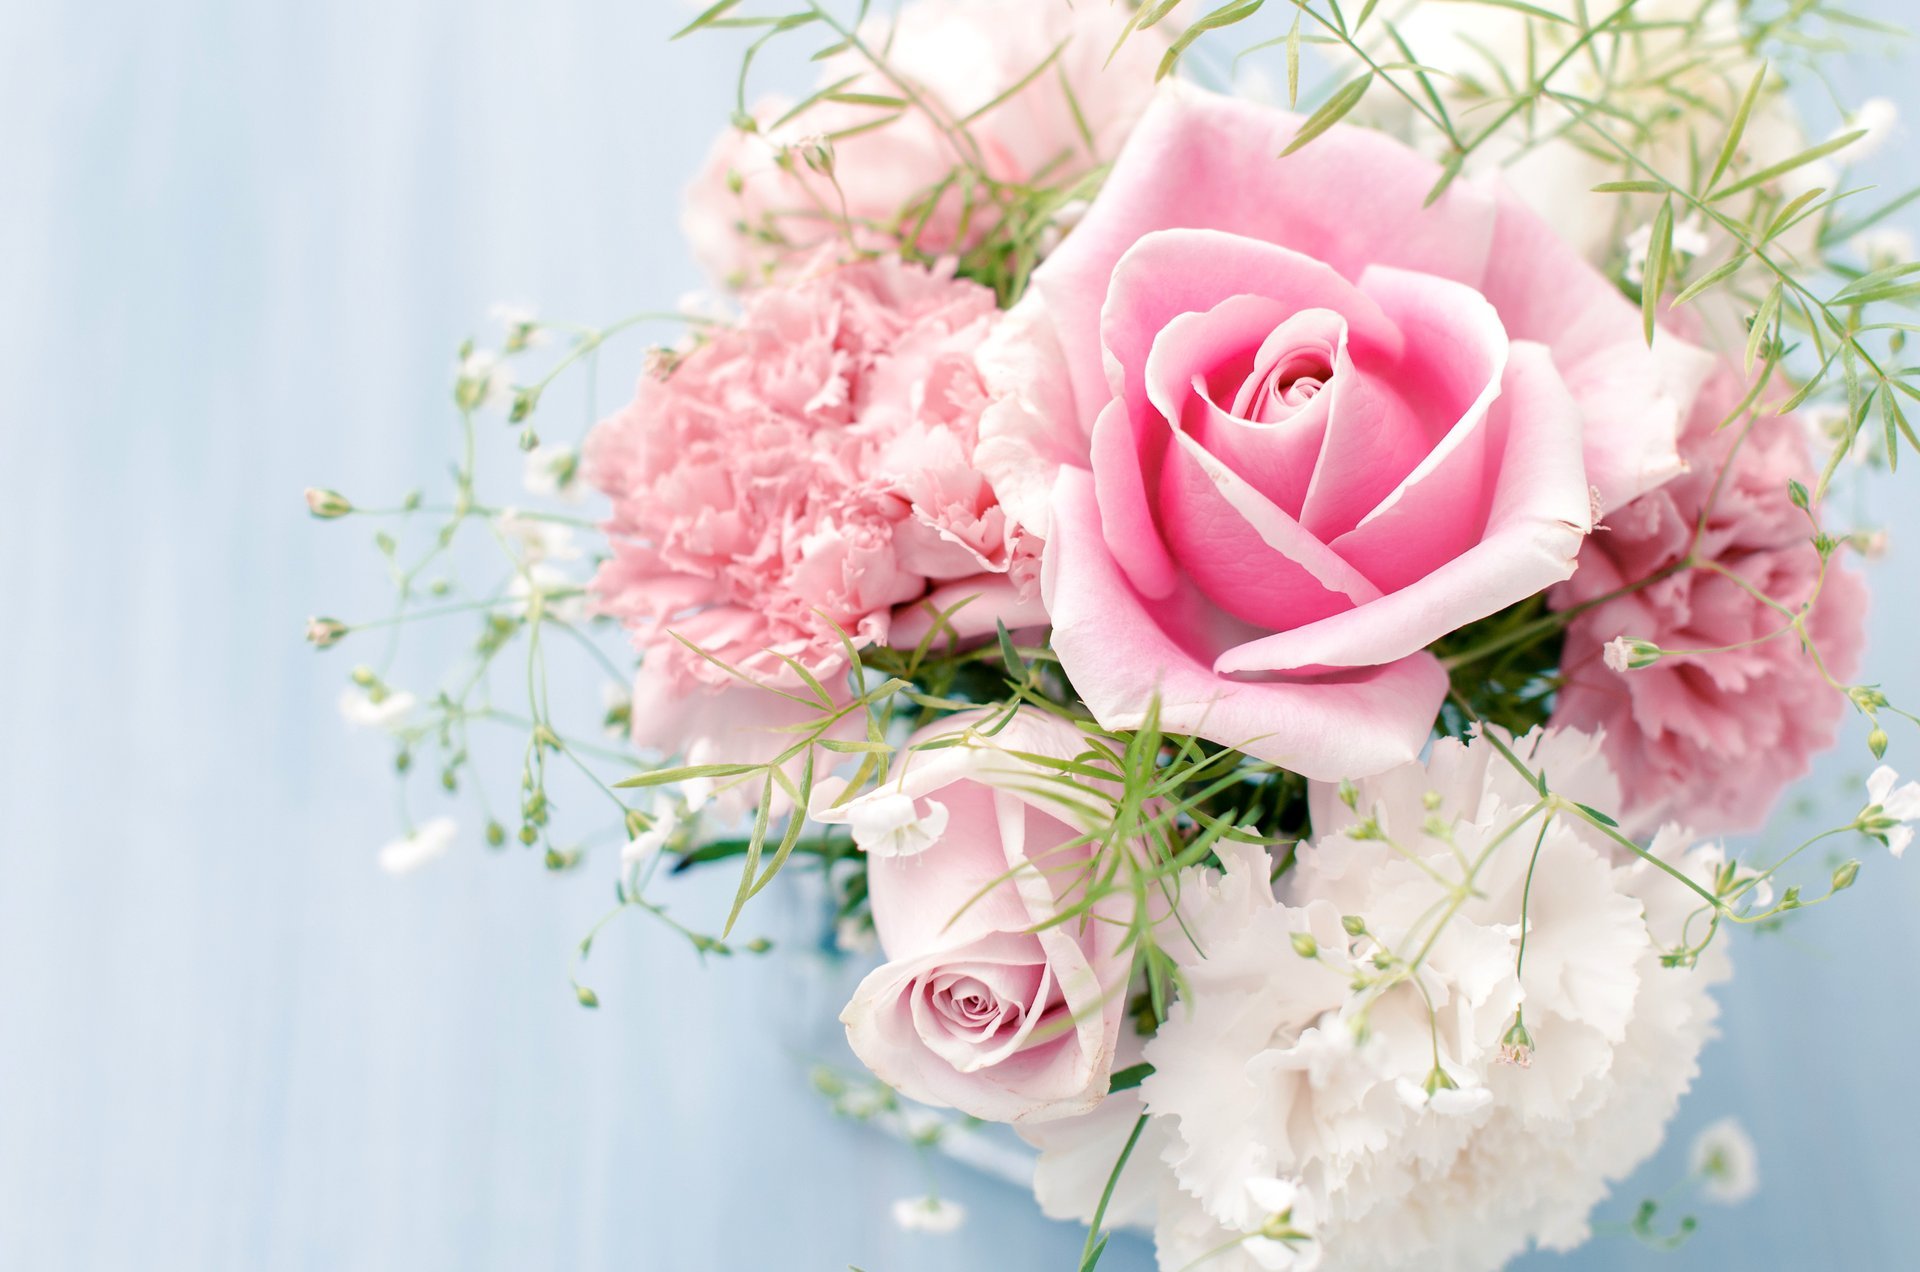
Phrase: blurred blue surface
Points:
(238, 242)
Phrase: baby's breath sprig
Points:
(527, 605)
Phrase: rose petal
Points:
(1205, 161)
(1326, 727)
(1540, 513)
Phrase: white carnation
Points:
(1672, 51)
(1377, 1075)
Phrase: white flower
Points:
(1677, 50)
(536, 538)
(521, 323)
(1689, 240)
(1762, 894)
(1877, 117)
(390, 712)
(483, 382)
(1889, 811)
(1826, 425)
(1726, 1163)
(553, 472)
(1883, 246)
(890, 824)
(561, 597)
(429, 840)
(855, 936)
(706, 306)
(616, 702)
(928, 1214)
(648, 844)
(1625, 653)
(1381, 1090)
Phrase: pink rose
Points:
(1712, 738)
(757, 209)
(1320, 426)
(970, 849)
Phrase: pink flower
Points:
(1711, 739)
(1311, 427)
(757, 208)
(984, 1005)
(801, 475)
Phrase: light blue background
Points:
(238, 241)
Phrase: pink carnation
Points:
(807, 470)
(758, 207)
(1711, 739)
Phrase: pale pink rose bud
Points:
(984, 1005)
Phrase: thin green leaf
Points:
(755, 843)
(1718, 274)
(1737, 129)
(707, 17)
(1774, 172)
(1225, 16)
(1659, 260)
(662, 777)
(1293, 61)
(1762, 322)
(1331, 112)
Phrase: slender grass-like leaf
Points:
(1331, 112)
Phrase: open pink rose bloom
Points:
(1315, 426)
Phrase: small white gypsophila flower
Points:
(429, 840)
(1726, 1163)
(1883, 246)
(706, 305)
(1625, 653)
(483, 382)
(1382, 1090)
(640, 851)
(1889, 810)
(892, 825)
(522, 325)
(1878, 118)
(855, 936)
(1689, 240)
(1762, 894)
(553, 472)
(1826, 424)
(536, 538)
(358, 708)
(928, 1214)
(561, 598)
(616, 702)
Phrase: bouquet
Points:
(1259, 551)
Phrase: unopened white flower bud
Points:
(327, 504)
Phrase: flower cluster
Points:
(1443, 1037)
(1254, 616)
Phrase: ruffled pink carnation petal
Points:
(1712, 739)
(800, 475)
